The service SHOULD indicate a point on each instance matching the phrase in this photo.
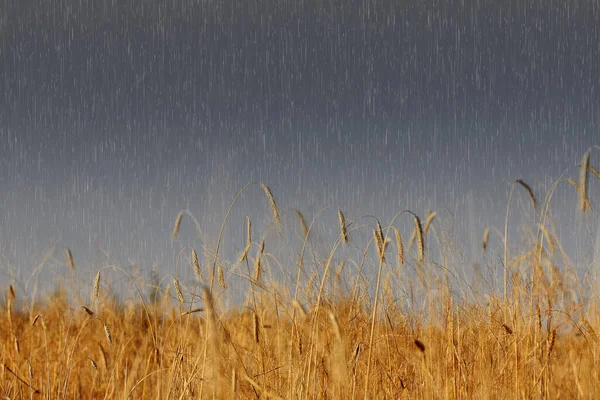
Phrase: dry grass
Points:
(422, 338)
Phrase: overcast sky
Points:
(116, 115)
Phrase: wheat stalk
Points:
(343, 229)
(107, 333)
(428, 221)
(486, 236)
(585, 162)
(336, 327)
(379, 231)
(338, 358)
(400, 247)
(195, 310)
(339, 269)
(529, 191)
(272, 203)
(412, 239)
(212, 371)
(577, 187)
(35, 391)
(594, 171)
(88, 311)
(178, 291)
(233, 382)
(196, 264)
(177, 224)
(590, 330)
(96, 289)
(70, 259)
(248, 232)
(300, 308)
(302, 223)
(419, 236)
(380, 246)
(549, 238)
(244, 254)
(222, 282)
(507, 329)
(257, 269)
(550, 344)
(255, 327)
(210, 311)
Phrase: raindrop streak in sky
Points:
(116, 115)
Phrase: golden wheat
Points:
(343, 230)
(419, 236)
(244, 254)
(311, 344)
(399, 246)
(178, 291)
(272, 203)
(302, 222)
(255, 327)
(107, 333)
(583, 199)
(70, 259)
(222, 282)
(96, 289)
(428, 221)
(196, 265)
(248, 232)
(87, 310)
(379, 242)
(177, 224)
(594, 171)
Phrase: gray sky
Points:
(116, 115)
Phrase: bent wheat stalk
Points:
(274, 210)
(506, 266)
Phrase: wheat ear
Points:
(585, 162)
(419, 236)
(400, 246)
(178, 291)
(529, 191)
(196, 264)
(177, 224)
(343, 229)
(272, 203)
(428, 221)
(302, 223)
(486, 236)
(222, 282)
(70, 259)
(96, 290)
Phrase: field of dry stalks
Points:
(332, 331)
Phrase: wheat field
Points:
(329, 330)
